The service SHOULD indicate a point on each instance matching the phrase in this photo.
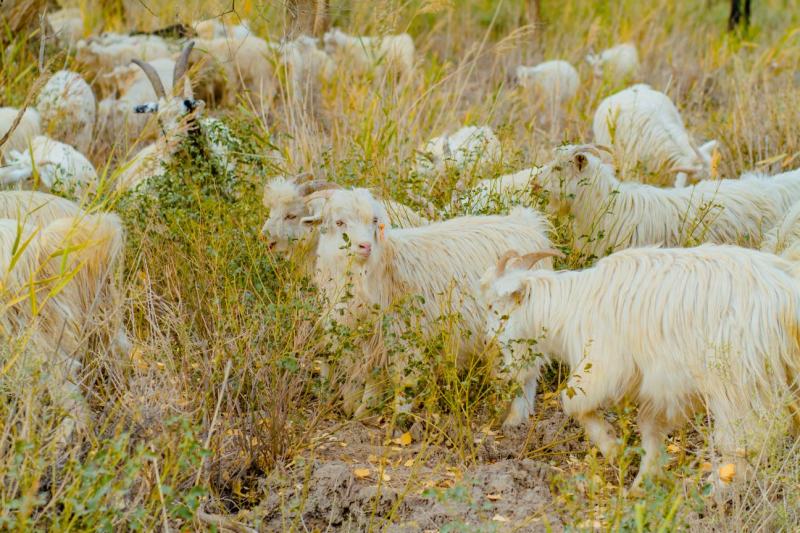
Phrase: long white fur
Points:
(471, 148)
(68, 109)
(645, 130)
(103, 53)
(35, 207)
(611, 215)
(60, 167)
(441, 263)
(29, 127)
(619, 62)
(498, 195)
(784, 238)
(674, 330)
(556, 81)
(393, 52)
(72, 316)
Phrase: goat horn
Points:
(696, 151)
(688, 170)
(316, 185)
(602, 147)
(182, 63)
(152, 75)
(529, 260)
(503, 261)
(303, 176)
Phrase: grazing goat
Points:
(646, 132)
(395, 53)
(610, 214)
(59, 166)
(677, 331)
(67, 107)
(72, 264)
(470, 149)
(363, 265)
(555, 81)
(618, 62)
(30, 125)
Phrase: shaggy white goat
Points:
(646, 132)
(676, 330)
(498, 195)
(236, 67)
(29, 127)
(36, 208)
(471, 149)
(307, 66)
(610, 214)
(101, 54)
(81, 257)
(289, 202)
(363, 265)
(214, 28)
(555, 81)
(619, 62)
(67, 24)
(784, 238)
(395, 53)
(60, 167)
(68, 109)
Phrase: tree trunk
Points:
(735, 17)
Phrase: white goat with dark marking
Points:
(646, 132)
(362, 265)
(677, 331)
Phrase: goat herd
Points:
(678, 330)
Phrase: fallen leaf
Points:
(727, 472)
(403, 440)
(499, 518)
(361, 472)
(372, 458)
(706, 467)
(409, 463)
(385, 476)
(494, 497)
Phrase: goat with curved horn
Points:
(528, 261)
(182, 63)
(503, 261)
(316, 185)
(152, 76)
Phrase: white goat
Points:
(618, 62)
(646, 132)
(784, 238)
(67, 24)
(610, 214)
(237, 67)
(382, 268)
(395, 53)
(102, 54)
(554, 81)
(68, 109)
(214, 28)
(289, 203)
(177, 116)
(35, 208)
(307, 66)
(676, 330)
(60, 167)
(498, 195)
(72, 264)
(470, 149)
(29, 127)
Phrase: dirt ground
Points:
(357, 478)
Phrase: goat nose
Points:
(365, 247)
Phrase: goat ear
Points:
(313, 220)
(581, 161)
(708, 148)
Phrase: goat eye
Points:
(290, 216)
(374, 220)
(340, 223)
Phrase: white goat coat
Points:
(619, 62)
(471, 148)
(556, 81)
(60, 167)
(646, 132)
(675, 330)
(101, 54)
(393, 52)
(68, 109)
(611, 215)
(35, 207)
(29, 127)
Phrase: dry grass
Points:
(221, 407)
